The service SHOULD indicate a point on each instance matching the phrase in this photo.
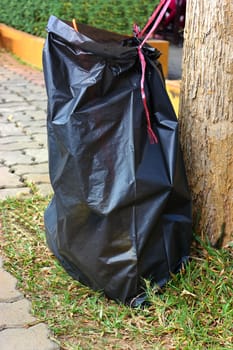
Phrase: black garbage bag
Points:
(121, 210)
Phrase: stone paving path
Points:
(23, 158)
(23, 137)
(19, 330)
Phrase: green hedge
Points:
(116, 15)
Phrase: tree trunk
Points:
(206, 116)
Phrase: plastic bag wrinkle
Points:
(121, 210)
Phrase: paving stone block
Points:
(15, 157)
(33, 83)
(36, 178)
(40, 138)
(15, 314)
(38, 155)
(40, 104)
(22, 89)
(36, 115)
(8, 291)
(13, 107)
(7, 129)
(32, 338)
(33, 123)
(20, 192)
(34, 129)
(13, 80)
(18, 146)
(9, 180)
(37, 89)
(21, 118)
(22, 169)
(39, 96)
(45, 189)
(4, 118)
(15, 138)
(12, 97)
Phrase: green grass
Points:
(194, 311)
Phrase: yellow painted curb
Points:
(29, 49)
(173, 89)
(172, 86)
(25, 46)
(163, 47)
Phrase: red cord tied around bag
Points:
(156, 17)
(152, 136)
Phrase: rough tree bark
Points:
(206, 116)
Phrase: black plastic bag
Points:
(121, 210)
